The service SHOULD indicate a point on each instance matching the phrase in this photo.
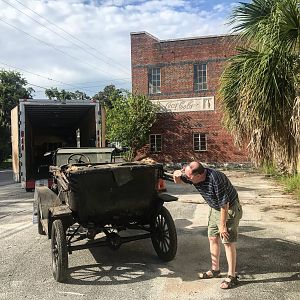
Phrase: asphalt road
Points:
(268, 253)
(6, 177)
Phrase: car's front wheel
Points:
(163, 235)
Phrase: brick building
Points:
(183, 76)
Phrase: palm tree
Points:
(259, 85)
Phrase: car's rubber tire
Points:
(163, 235)
(59, 251)
(40, 226)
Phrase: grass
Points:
(269, 169)
(292, 184)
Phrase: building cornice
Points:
(183, 39)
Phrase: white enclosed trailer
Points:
(40, 126)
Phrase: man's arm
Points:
(223, 228)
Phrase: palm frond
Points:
(257, 91)
(260, 84)
(289, 27)
(248, 18)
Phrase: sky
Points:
(85, 45)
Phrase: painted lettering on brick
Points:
(186, 104)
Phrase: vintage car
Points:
(93, 199)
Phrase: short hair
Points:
(199, 169)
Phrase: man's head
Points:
(195, 172)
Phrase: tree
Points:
(259, 85)
(108, 96)
(54, 93)
(129, 121)
(81, 95)
(12, 88)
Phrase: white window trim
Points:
(199, 133)
(155, 135)
(150, 73)
(206, 82)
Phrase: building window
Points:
(200, 141)
(155, 143)
(200, 77)
(154, 81)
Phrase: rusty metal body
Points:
(89, 198)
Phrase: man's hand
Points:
(224, 232)
(177, 176)
(223, 228)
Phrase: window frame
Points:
(155, 135)
(200, 86)
(154, 89)
(200, 148)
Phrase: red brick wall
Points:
(176, 59)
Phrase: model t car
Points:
(93, 199)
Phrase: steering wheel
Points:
(79, 158)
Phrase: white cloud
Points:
(219, 7)
(104, 28)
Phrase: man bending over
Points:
(224, 216)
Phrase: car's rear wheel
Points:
(59, 251)
(39, 221)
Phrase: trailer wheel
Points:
(59, 251)
(163, 235)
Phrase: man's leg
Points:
(214, 245)
(234, 215)
(230, 250)
(215, 250)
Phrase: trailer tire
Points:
(163, 235)
(59, 251)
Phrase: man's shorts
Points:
(235, 213)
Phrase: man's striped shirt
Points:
(216, 189)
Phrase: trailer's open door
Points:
(15, 143)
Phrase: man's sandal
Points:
(210, 274)
(229, 282)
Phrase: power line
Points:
(50, 79)
(28, 83)
(50, 45)
(95, 86)
(78, 86)
(100, 81)
(74, 37)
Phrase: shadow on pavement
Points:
(260, 260)
(294, 277)
(243, 189)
